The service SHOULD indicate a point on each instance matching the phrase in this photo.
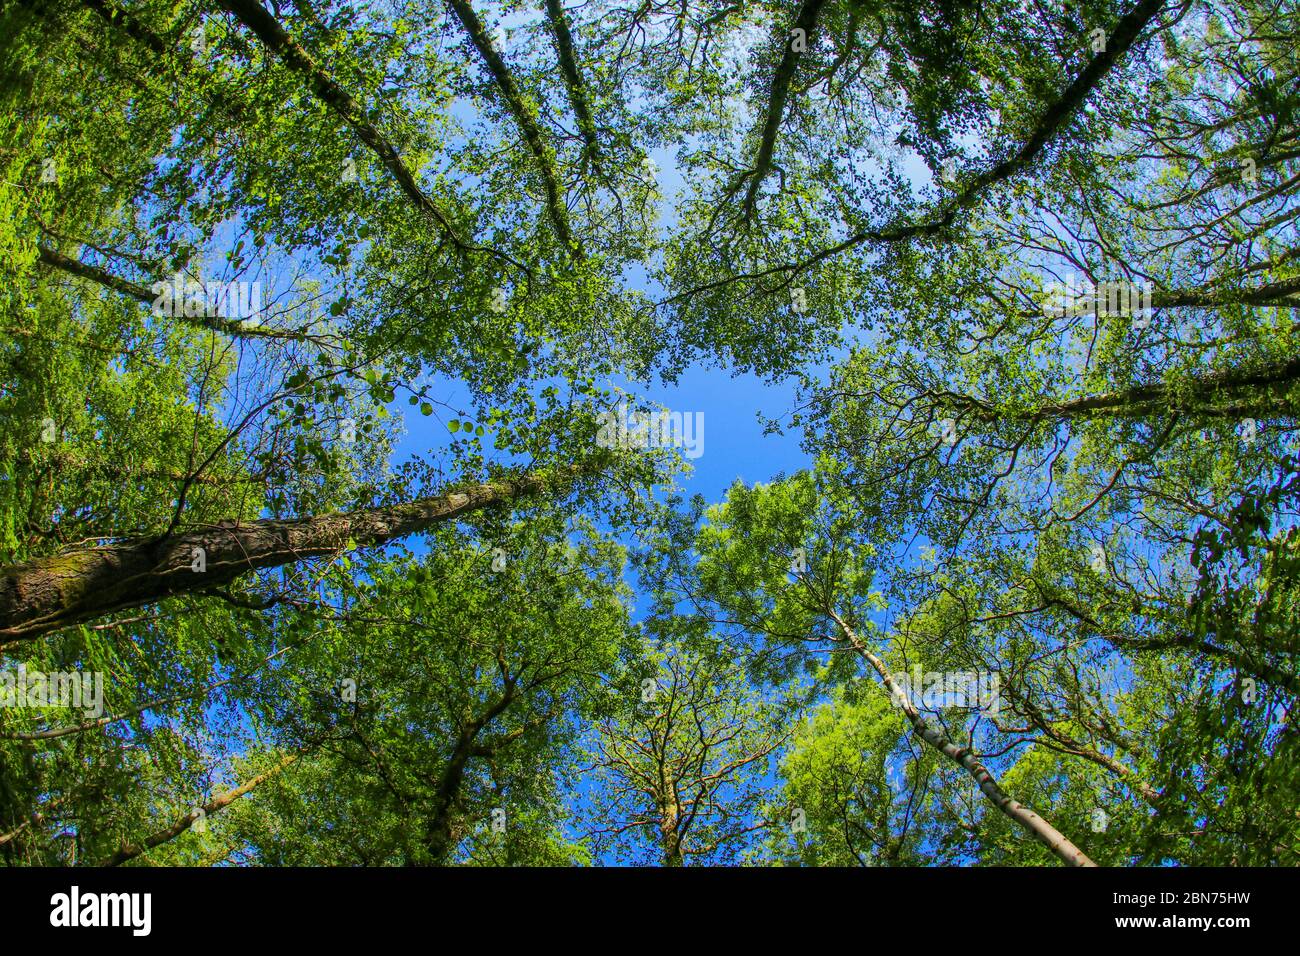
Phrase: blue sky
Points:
(734, 445)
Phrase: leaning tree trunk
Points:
(1038, 828)
(47, 593)
(129, 851)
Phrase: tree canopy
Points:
(340, 523)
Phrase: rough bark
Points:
(439, 838)
(578, 98)
(44, 594)
(670, 840)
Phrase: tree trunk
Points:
(1038, 828)
(578, 96)
(670, 839)
(439, 839)
(779, 92)
(258, 19)
(47, 593)
(525, 118)
(215, 805)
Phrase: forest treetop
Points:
(1031, 268)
